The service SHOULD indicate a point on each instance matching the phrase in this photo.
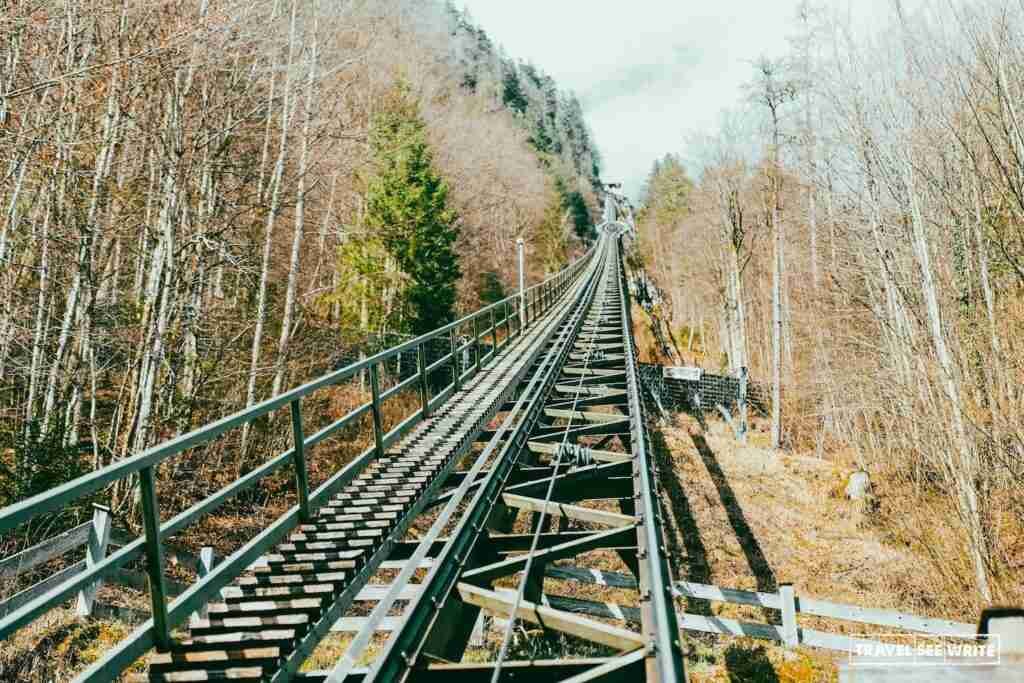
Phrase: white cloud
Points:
(649, 71)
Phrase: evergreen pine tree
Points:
(512, 92)
(575, 205)
(490, 289)
(407, 207)
(582, 222)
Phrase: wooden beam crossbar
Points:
(608, 375)
(545, 448)
(550, 618)
(620, 426)
(570, 511)
(576, 403)
(589, 390)
(593, 481)
(625, 668)
(534, 671)
(509, 566)
(505, 543)
(585, 415)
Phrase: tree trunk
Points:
(776, 327)
(42, 306)
(275, 199)
(300, 216)
(965, 470)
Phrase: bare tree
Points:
(773, 90)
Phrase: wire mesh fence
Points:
(709, 391)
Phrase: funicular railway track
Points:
(275, 614)
(551, 429)
(572, 444)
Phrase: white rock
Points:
(859, 486)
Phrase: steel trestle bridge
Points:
(493, 497)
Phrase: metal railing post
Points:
(508, 322)
(96, 551)
(521, 248)
(421, 360)
(741, 408)
(456, 366)
(476, 340)
(154, 558)
(206, 562)
(494, 335)
(378, 423)
(301, 476)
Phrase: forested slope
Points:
(207, 202)
(852, 233)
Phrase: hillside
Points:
(846, 233)
(192, 228)
(279, 398)
(750, 518)
(208, 203)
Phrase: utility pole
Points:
(521, 248)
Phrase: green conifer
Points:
(407, 208)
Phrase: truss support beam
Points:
(576, 512)
(553, 619)
(606, 539)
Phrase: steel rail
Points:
(347, 663)
(405, 644)
(157, 631)
(659, 614)
(539, 521)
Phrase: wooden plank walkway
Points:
(297, 593)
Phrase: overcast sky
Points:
(650, 71)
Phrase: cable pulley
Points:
(575, 454)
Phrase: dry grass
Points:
(740, 517)
(750, 518)
(57, 647)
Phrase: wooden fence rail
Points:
(786, 601)
(96, 536)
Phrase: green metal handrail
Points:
(156, 632)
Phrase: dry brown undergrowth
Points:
(737, 516)
(748, 517)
